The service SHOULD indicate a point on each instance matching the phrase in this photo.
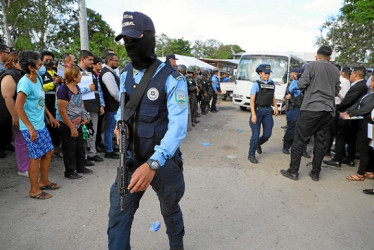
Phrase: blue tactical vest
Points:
(150, 122)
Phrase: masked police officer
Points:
(262, 98)
(153, 142)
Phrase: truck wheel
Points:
(243, 108)
(224, 97)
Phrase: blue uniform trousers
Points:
(292, 117)
(264, 118)
(168, 184)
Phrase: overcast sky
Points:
(255, 25)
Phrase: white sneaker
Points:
(24, 174)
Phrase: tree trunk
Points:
(5, 7)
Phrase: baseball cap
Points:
(134, 24)
(264, 68)
(297, 70)
(172, 56)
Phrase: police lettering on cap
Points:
(172, 56)
(134, 24)
(264, 68)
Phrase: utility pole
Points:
(83, 25)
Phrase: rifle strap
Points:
(134, 101)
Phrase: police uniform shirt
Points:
(177, 105)
(215, 83)
(255, 89)
(293, 88)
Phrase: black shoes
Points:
(85, 171)
(348, 162)
(285, 151)
(89, 163)
(306, 155)
(111, 155)
(286, 173)
(95, 158)
(214, 111)
(73, 176)
(315, 177)
(252, 159)
(333, 162)
(259, 149)
(9, 148)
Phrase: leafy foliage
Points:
(351, 33)
(54, 25)
(166, 45)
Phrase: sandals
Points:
(369, 175)
(355, 177)
(41, 196)
(368, 191)
(52, 186)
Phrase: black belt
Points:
(263, 106)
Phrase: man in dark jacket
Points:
(321, 84)
(347, 129)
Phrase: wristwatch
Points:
(153, 164)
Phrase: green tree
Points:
(226, 51)
(35, 21)
(351, 33)
(166, 45)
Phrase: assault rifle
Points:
(122, 169)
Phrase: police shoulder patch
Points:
(181, 98)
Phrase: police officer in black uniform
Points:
(204, 93)
(192, 93)
(262, 98)
(161, 116)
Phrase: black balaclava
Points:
(142, 51)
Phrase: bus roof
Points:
(269, 53)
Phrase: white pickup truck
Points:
(227, 89)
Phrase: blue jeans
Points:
(264, 118)
(168, 184)
(109, 129)
(292, 117)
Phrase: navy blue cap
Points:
(171, 56)
(264, 68)
(297, 70)
(134, 24)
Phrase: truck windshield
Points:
(248, 64)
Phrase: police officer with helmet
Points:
(155, 158)
(262, 98)
(182, 69)
(192, 93)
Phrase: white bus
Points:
(280, 63)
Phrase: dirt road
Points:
(229, 203)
